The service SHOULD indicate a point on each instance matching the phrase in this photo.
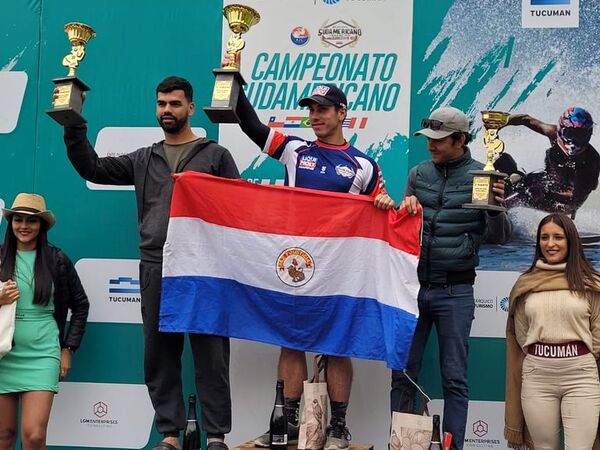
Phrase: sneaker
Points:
(338, 437)
(263, 440)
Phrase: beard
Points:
(172, 127)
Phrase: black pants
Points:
(162, 366)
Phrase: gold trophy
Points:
(482, 196)
(229, 80)
(68, 102)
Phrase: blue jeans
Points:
(451, 308)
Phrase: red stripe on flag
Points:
(291, 211)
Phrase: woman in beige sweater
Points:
(553, 343)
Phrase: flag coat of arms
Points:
(304, 269)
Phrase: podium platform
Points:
(250, 445)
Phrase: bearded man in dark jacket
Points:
(149, 169)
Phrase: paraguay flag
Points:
(304, 269)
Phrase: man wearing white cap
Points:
(449, 255)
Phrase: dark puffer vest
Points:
(451, 234)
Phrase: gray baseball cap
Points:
(443, 122)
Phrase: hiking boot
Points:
(338, 437)
(263, 440)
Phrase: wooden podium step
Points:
(250, 445)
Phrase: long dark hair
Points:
(42, 269)
(581, 275)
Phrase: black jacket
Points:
(147, 169)
(68, 295)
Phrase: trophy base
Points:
(225, 96)
(69, 101)
(67, 117)
(483, 196)
(484, 206)
(221, 115)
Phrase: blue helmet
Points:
(575, 128)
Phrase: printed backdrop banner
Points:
(298, 45)
(303, 269)
(520, 56)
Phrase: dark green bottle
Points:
(191, 434)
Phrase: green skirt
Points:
(33, 364)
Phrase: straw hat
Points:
(32, 205)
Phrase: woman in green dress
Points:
(45, 285)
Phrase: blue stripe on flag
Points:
(334, 325)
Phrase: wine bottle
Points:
(278, 433)
(191, 434)
(436, 437)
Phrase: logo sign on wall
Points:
(491, 302)
(117, 141)
(102, 415)
(340, 34)
(485, 424)
(12, 91)
(113, 287)
(550, 13)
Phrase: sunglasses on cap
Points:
(435, 125)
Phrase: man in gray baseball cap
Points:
(443, 122)
(449, 255)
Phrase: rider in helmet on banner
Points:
(571, 170)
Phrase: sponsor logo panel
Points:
(491, 302)
(12, 92)
(550, 13)
(485, 424)
(104, 415)
(113, 287)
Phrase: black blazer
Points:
(68, 295)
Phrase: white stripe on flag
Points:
(205, 249)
